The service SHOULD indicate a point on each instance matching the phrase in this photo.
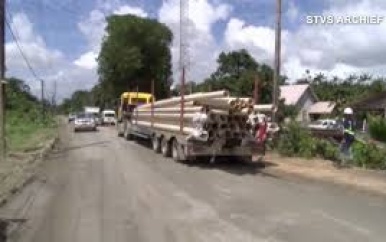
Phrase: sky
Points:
(61, 39)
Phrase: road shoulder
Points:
(321, 170)
(20, 167)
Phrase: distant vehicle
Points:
(108, 117)
(95, 111)
(85, 122)
(324, 124)
(71, 117)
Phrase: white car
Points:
(324, 124)
(85, 122)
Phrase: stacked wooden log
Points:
(227, 117)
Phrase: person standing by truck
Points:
(261, 134)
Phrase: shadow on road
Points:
(233, 166)
(66, 149)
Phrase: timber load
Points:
(227, 117)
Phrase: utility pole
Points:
(2, 82)
(256, 90)
(53, 101)
(184, 55)
(277, 60)
(42, 96)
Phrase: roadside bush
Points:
(368, 156)
(327, 150)
(297, 141)
(377, 128)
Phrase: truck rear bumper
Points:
(202, 150)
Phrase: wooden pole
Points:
(182, 100)
(277, 59)
(42, 96)
(256, 90)
(136, 105)
(152, 103)
(2, 83)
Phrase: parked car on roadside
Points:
(324, 124)
(85, 122)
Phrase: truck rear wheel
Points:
(176, 151)
(156, 144)
(165, 148)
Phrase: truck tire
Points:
(128, 135)
(176, 151)
(246, 158)
(165, 148)
(156, 144)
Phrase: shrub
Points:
(377, 128)
(368, 156)
(296, 141)
(327, 150)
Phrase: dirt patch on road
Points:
(371, 181)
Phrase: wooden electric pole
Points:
(276, 76)
(2, 82)
(42, 97)
(256, 90)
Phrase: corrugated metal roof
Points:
(322, 108)
(292, 93)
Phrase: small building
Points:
(301, 96)
(322, 109)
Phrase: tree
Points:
(134, 51)
(236, 72)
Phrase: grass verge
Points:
(24, 136)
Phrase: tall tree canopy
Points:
(134, 51)
(236, 72)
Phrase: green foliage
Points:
(297, 141)
(236, 72)
(345, 91)
(134, 51)
(24, 116)
(377, 128)
(368, 156)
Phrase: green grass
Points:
(26, 135)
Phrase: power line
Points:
(21, 50)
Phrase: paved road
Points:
(98, 187)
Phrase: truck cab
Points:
(127, 102)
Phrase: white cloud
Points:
(87, 60)
(93, 29)
(33, 46)
(258, 40)
(203, 49)
(126, 9)
(332, 49)
(293, 12)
